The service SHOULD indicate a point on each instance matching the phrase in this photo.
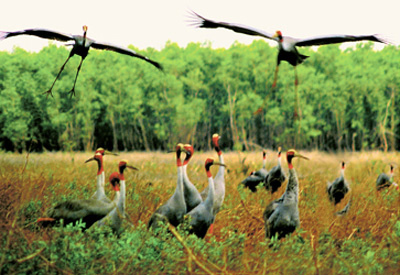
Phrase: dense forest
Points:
(347, 99)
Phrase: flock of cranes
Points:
(281, 216)
(199, 209)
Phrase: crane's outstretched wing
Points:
(332, 39)
(202, 22)
(123, 50)
(42, 33)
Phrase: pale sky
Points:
(151, 23)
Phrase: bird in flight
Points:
(80, 46)
(287, 45)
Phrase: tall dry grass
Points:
(52, 177)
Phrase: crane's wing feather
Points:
(123, 50)
(203, 22)
(332, 39)
(42, 33)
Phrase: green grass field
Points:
(365, 241)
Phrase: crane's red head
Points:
(122, 165)
(215, 139)
(290, 154)
(99, 158)
(208, 163)
(343, 165)
(105, 152)
(278, 34)
(179, 148)
(114, 180)
(264, 154)
(189, 153)
(279, 151)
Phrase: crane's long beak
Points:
(110, 153)
(88, 160)
(132, 167)
(300, 156)
(218, 163)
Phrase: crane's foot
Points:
(48, 93)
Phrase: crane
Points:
(276, 176)
(287, 45)
(281, 216)
(384, 180)
(256, 177)
(118, 213)
(88, 211)
(191, 194)
(100, 193)
(175, 208)
(339, 187)
(219, 180)
(202, 216)
(80, 46)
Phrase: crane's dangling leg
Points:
(76, 78)
(296, 79)
(62, 68)
(275, 76)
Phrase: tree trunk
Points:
(146, 144)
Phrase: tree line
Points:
(347, 99)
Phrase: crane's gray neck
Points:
(178, 194)
(209, 202)
(221, 169)
(117, 197)
(264, 162)
(121, 201)
(342, 173)
(292, 188)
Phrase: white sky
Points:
(151, 23)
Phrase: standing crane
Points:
(339, 187)
(281, 216)
(118, 213)
(100, 193)
(175, 208)
(385, 180)
(88, 211)
(80, 46)
(256, 177)
(203, 215)
(219, 181)
(287, 45)
(276, 176)
(191, 194)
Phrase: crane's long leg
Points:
(76, 77)
(62, 68)
(275, 76)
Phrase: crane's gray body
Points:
(252, 181)
(89, 211)
(282, 215)
(203, 216)
(383, 181)
(338, 189)
(174, 209)
(275, 178)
